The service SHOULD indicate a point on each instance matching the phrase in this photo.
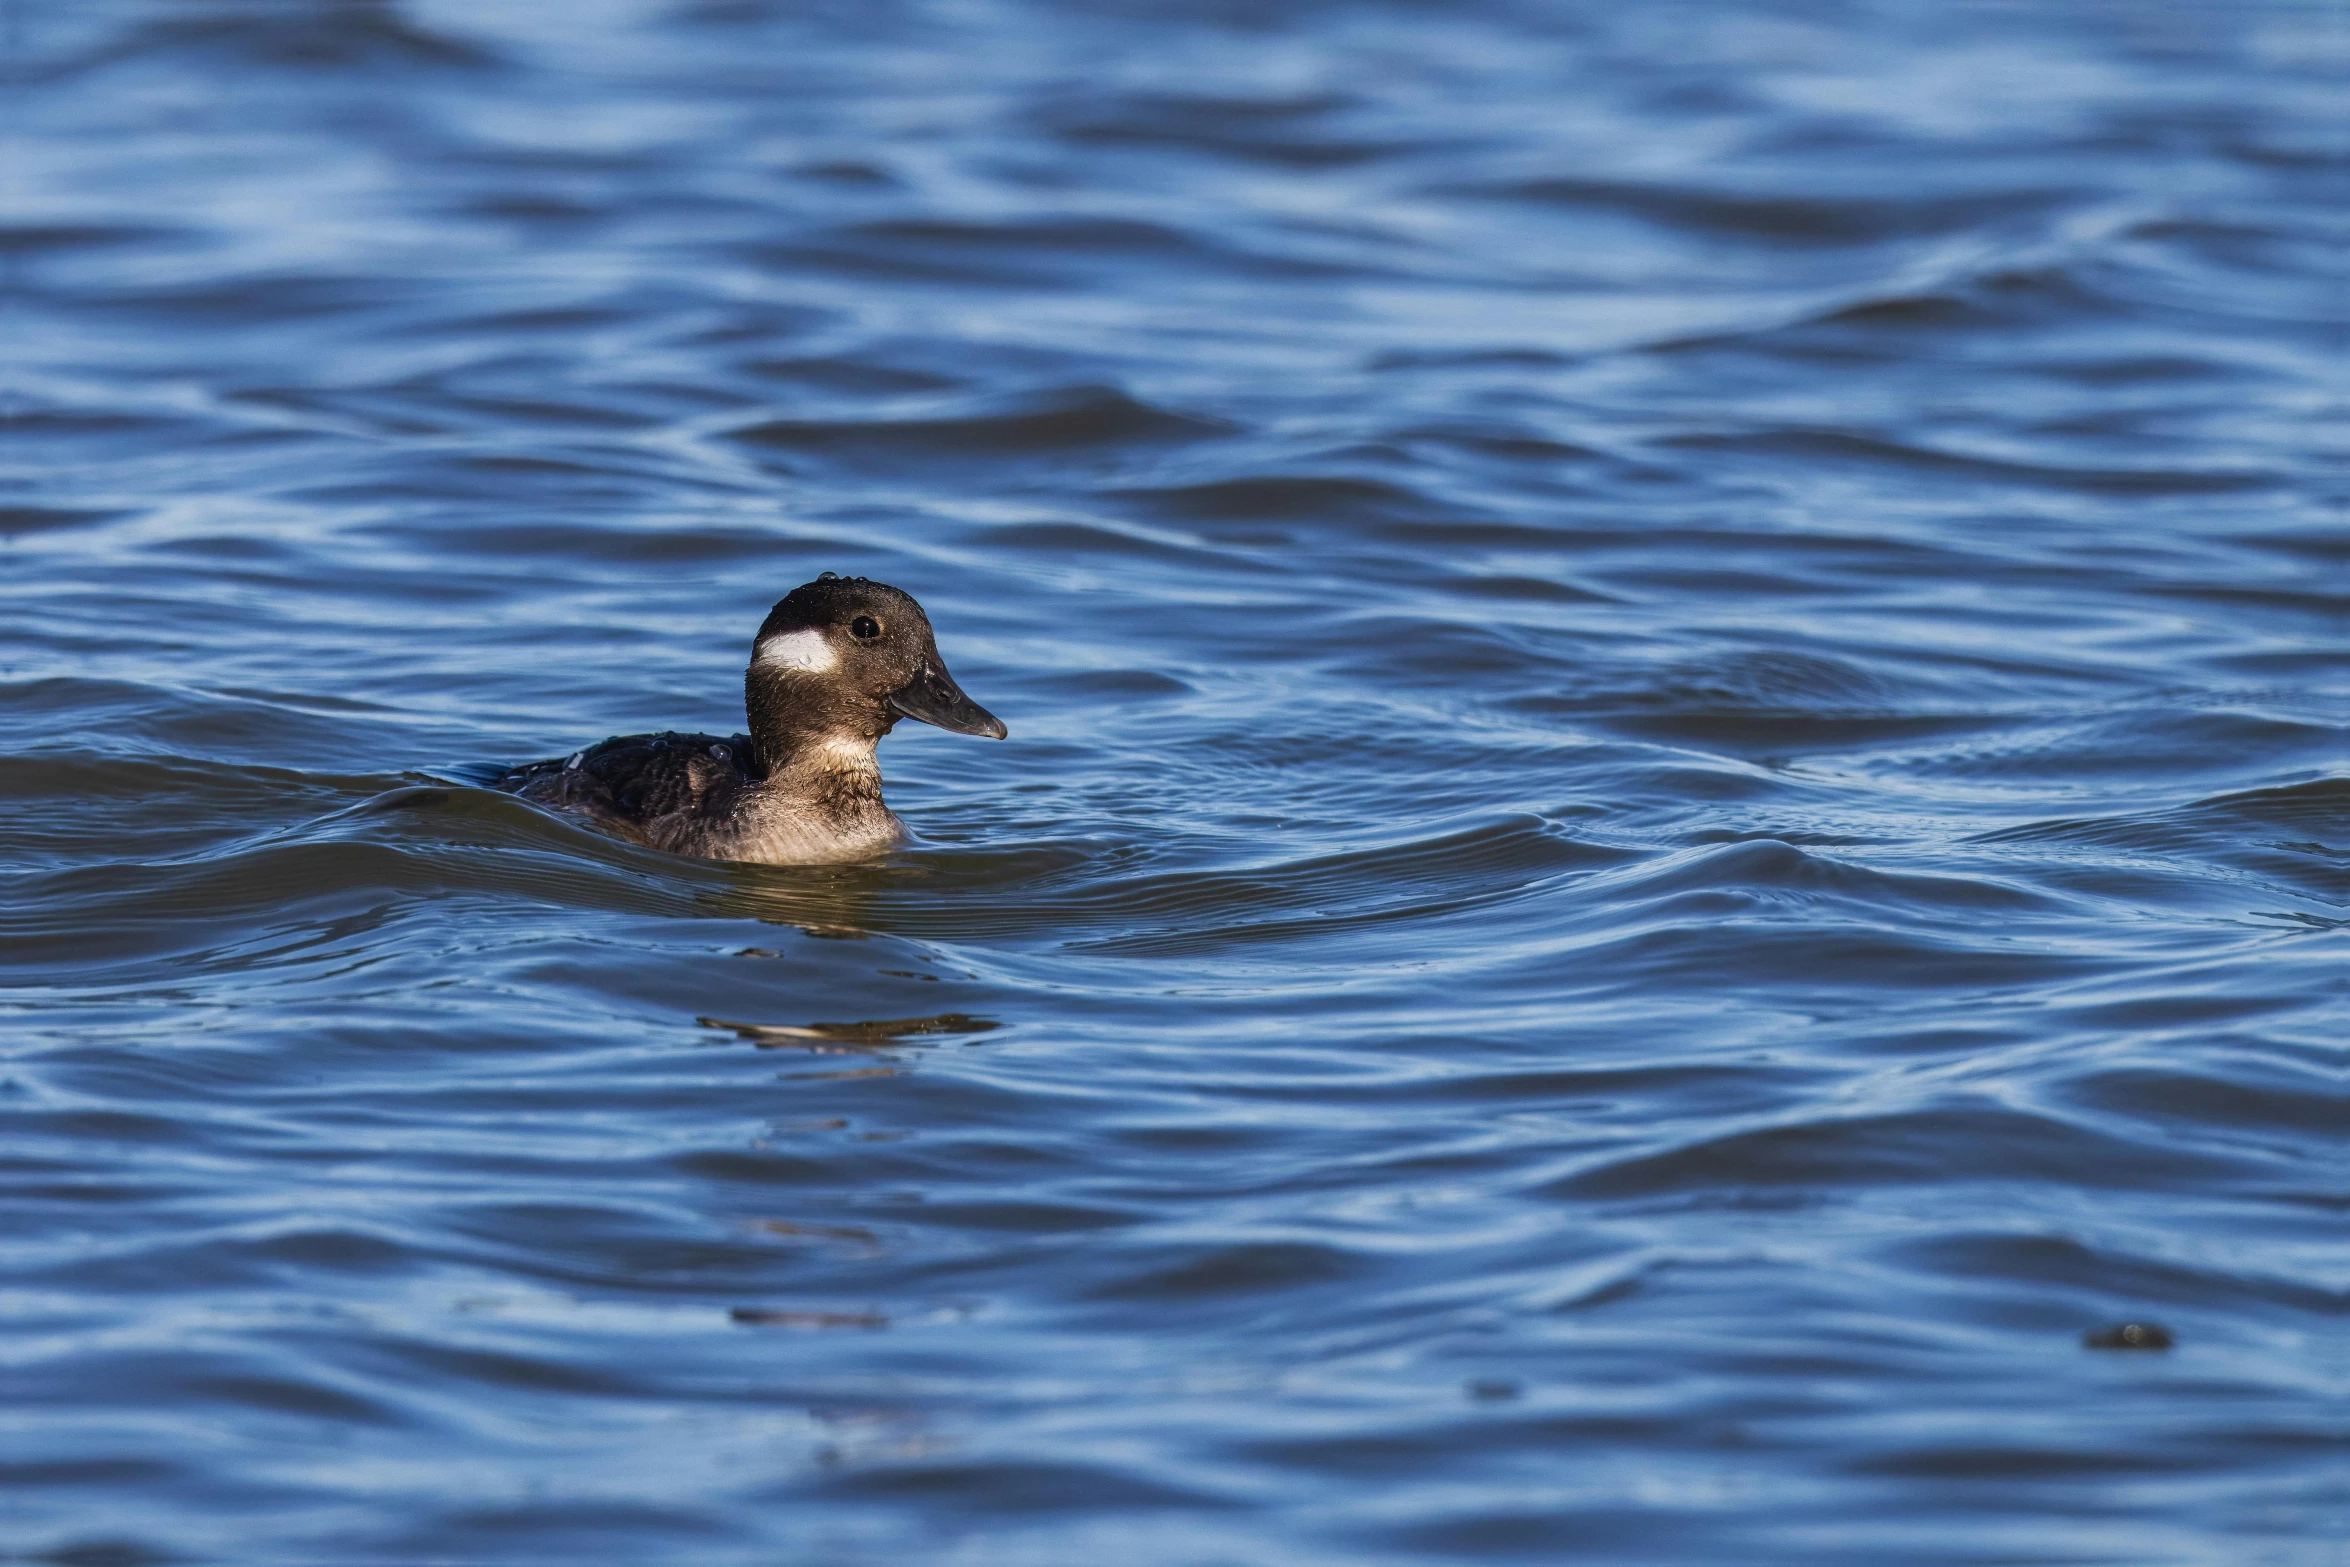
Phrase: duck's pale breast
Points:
(768, 827)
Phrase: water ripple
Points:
(1678, 817)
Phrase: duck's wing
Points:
(629, 781)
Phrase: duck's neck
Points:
(840, 764)
(812, 739)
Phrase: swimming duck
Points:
(835, 665)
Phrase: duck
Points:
(834, 667)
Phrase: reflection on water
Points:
(755, 1317)
(1669, 884)
(849, 1036)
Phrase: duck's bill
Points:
(933, 697)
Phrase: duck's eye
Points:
(864, 628)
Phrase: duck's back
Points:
(658, 789)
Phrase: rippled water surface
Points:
(1677, 797)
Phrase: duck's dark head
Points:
(845, 658)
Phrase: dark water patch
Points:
(344, 37)
(1235, 1270)
(2294, 1109)
(2325, 547)
(1277, 128)
(1799, 218)
(2020, 1463)
(1912, 312)
(964, 243)
(1947, 317)
(1281, 499)
(1060, 422)
(1469, 358)
(770, 1317)
(1524, 590)
(1961, 1143)
(62, 430)
(2037, 1262)
(18, 521)
(280, 299)
(33, 240)
(720, 547)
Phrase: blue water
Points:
(1678, 797)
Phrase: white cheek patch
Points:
(797, 650)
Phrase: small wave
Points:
(1287, 497)
(1771, 702)
(1795, 218)
(1769, 870)
(18, 521)
(2318, 807)
(2118, 1278)
(145, 723)
(1291, 132)
(1064, 234)
(2293, 840)
(1245, 1268)
(347, 37)
(866, 1035)
(1068, 420)
(1956, 1142)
